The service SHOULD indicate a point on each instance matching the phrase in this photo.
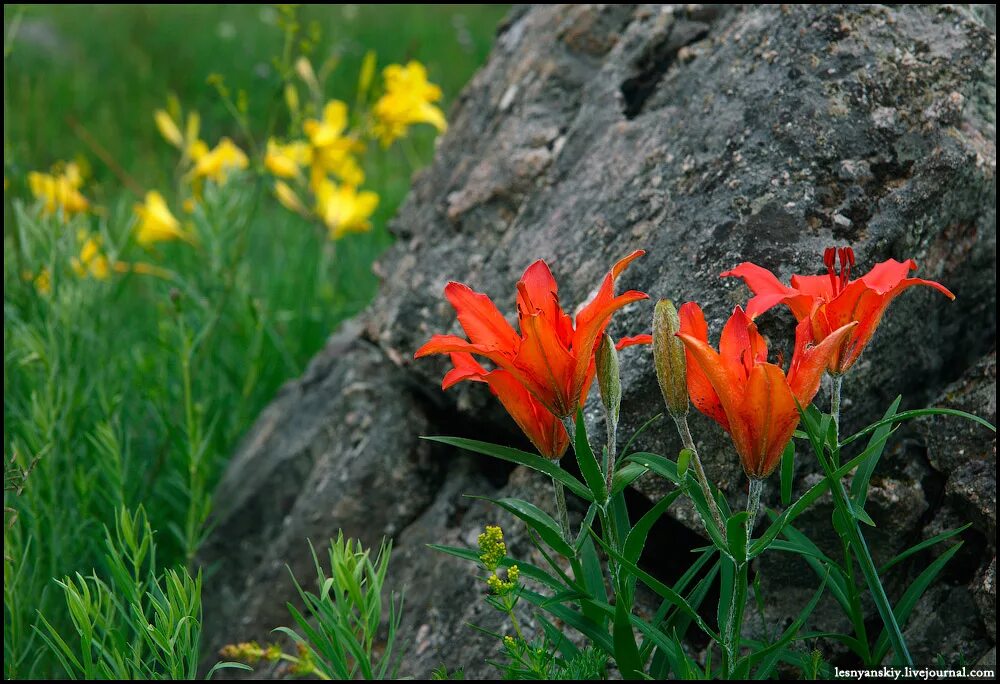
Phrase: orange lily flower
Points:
(753, 400)
(831, 301)
(551, 358)
(544, 430)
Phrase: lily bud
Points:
(609, 377)
(669, 358)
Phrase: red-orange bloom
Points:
(831, 301)
(753, 400)
(547, 364)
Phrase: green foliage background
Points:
(133, 391)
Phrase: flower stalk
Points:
(688, 441)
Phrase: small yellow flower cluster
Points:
(199, 163)
(331, 147)
(501, 587)
(409, 99)
(59, 191)
(329, 151)
(492, 548)
(91, 260)
(251, 652)
(215, 164)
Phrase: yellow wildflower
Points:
(289, 199)
(499, 586)
(407, 100)
(216, 164)
(333, 148)
(91, 260)
(343, 209)
(59, 190)
(284, 161)
(42, 281)
(168, 128)
(197, 149)
(492, 548)
(157, 223)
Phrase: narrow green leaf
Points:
(660, 588)
(787, 473)
(625, 476)
(683, 460)
(923, 545)
(593, 573)
(859, 485)
(635, 435)
(595, 632)
(788, 635)
(910, 598)
(585, 458)
(535, 518)
(736, 534)
(526, 569)
(626, 650)
(636, 539)
(533, 461)
(917, 413)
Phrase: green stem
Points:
(835, 388)
(857, 542)
(734, 629)
(561, 511)
(688, 441)
(753, 505)
(612, 430)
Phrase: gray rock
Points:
(984, 590)
(707, 136)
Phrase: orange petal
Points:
(741, 345)
(809, 361)
(886, 275)
(771, 415)
(702, 394)
(544, 430)
(769, 291)
(480, 318)
(633, 340)
(590, 325)
(729, 393)
(622, 264)
(547, 364)
(537, 292)
(466, 368)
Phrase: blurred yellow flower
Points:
(171, 131)
(157, 223)
(42, 281)
(284, 161)
(197, 149)
(332, 148)
(407, 100)
(91, 260)
(59, 190)
(216, 164)
(289, 199)
(343, 209)
(168, 128)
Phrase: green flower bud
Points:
(609, 377)
(668, 356)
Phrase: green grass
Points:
(133, 391)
